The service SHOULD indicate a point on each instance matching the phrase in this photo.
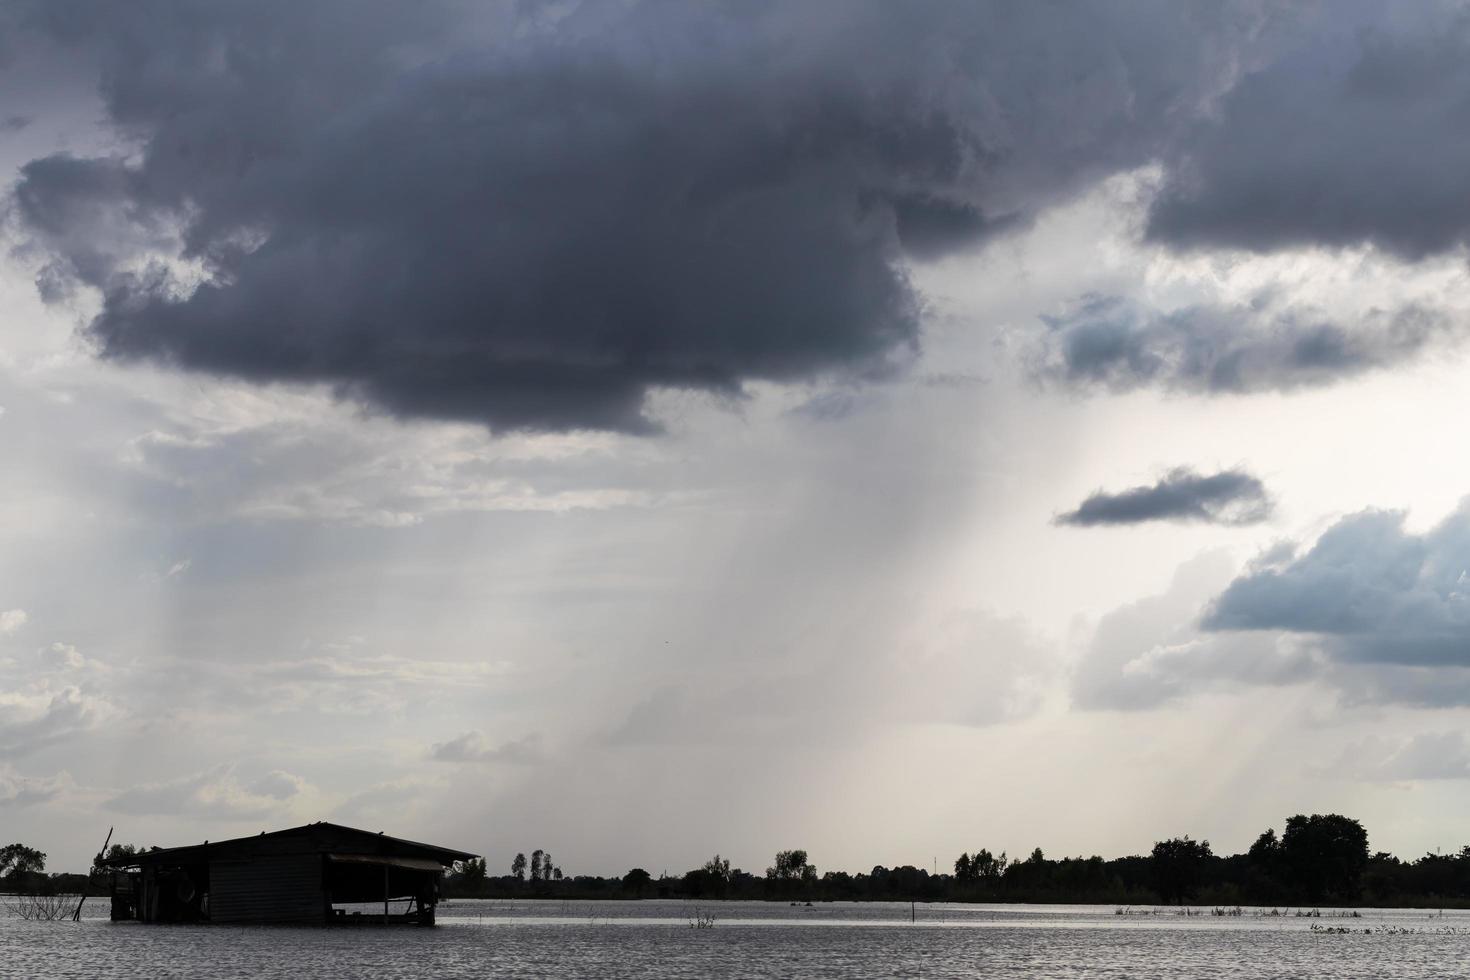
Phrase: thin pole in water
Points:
(385, 894)
(76, 915)
(913, 915)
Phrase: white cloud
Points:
(17, 790)
(67, 659)
(12, 620)
(1151, 652)
(43, 714)
(215, 793)
(1425, 757)
(300, 456)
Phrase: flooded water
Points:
(840, 940)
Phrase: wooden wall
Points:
(267, 888)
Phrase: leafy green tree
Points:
(114, 852)
(790, 870)
(518, 867)
(1266, 850)
(717, 875)
(1326, 855)
(1179, 866)
(472, 872)
(536, 858)
(987, 866)
(637, 881)
(964, 869)
(17, 859)
(718, 867)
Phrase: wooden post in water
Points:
(385, 894)
(76, 915)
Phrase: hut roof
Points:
(321, 837)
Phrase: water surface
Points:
(752, 939)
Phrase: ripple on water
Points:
(762, 940)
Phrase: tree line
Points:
(1320, 859)
(1315, 860)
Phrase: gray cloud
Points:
(1118, 345)
(1428, 756)
(1421, 687)
(1372, 591)
(212, 794)
(474, 746)
(30, 720)
(1150, 652)
(360, 473)
(1355, 138)
(17, 790)
(277, 784)
(1374, 612)
(533, 222)
(1228, 497)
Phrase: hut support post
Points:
(385, 894)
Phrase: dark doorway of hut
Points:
(362, 890)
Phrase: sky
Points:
(645, 429)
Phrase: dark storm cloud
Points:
(932, 227)
(1228, 497)
(1359, 137)
(1112, 343)
(1371, 591)
(533, 218)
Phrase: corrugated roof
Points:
(322, 836)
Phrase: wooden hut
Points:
(316, 874)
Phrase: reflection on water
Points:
(654, 939)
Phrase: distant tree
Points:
(117, 851)
(1037, 857)
(1266, 849)
(718, 867)
(1325, 854)
(987, 866)
(536, 857)
(1264, 861)
(556, 874)
(980, 866)
(472, 873)
(792, 866)
(637, 881)
(546, 866)
(1179, 866)
(17, 859)
(113, 853)
(518, 867)
(712, 879)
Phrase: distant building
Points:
(319, 873)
